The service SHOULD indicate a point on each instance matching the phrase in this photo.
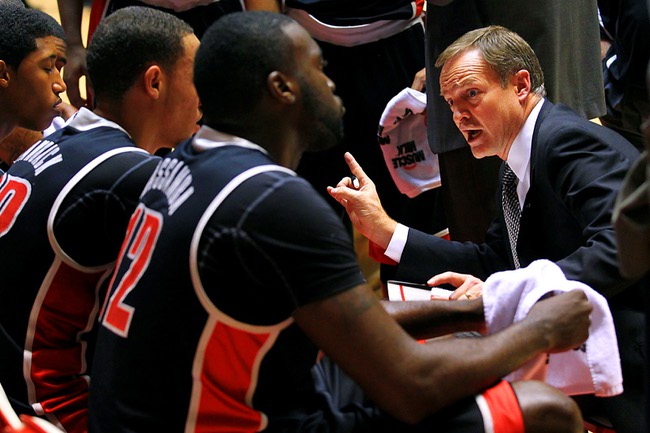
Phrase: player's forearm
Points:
(71, 12)
(262, 5)
(429, 319)
(462, 366)
(456, 368)
(407, 379)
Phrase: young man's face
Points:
(34, 86)
(322, 109)
(183, 102)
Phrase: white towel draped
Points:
(595, 368)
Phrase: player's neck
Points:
(276, 140)
(7, 124)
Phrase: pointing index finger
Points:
(356, 169)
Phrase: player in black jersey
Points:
(235, 272)
(32, 53)
(65, 205)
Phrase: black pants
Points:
(346, 409)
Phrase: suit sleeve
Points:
(426, 255)
(586, 171)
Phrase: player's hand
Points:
(420, 80)
(467, 286)
(67, 110)
(361, 202)
(564, 319)
(74, 69)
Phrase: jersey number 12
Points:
(141, 236)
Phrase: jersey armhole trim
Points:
(196, 237)
(64, 193)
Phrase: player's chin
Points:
(44, 121)
(189, 131)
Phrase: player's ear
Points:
(282, 87)
(5, 74)
(152, 80)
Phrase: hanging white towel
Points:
(594, 368)
(403, 140)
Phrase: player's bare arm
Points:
(429, 319)
(417, 380)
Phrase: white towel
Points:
(593, 369)
(403, 140)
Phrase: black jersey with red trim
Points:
(64, 208)
(197, 331)
(353, 13)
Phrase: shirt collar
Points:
(84, 120)
(208, 138)
(519, 154)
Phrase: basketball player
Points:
(66, 203)
(32, 53)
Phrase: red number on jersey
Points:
(141, 236)
(14, 193)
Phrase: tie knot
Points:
(509, 176)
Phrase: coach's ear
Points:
(282, 87)
(4, 74)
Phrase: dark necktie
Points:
(511, 209)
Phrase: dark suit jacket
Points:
(564, 35)
(577, 169)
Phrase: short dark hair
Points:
(503, 50)
(19, 29)
(17, 3)
(128, 42)
(236, 55)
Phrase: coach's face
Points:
(488, 114)
(322, 110)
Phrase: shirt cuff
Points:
(397, 243)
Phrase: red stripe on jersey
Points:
(419, 7)
(228, 379)
(64, 309)
(97, 12)
(504, 407)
